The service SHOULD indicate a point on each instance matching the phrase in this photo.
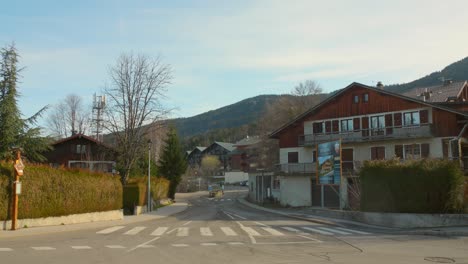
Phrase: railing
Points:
(371, 134)
(296, 168)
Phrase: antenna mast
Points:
(98, 106)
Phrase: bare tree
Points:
(303, 97)
(69, 117)
(137, 85)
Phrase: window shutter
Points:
(425, 150)
(328, 126)
(373, 153)
(424, 116)
(399, 151)
(389, 123)
(336, 126)
(397, 119)
(315, 128)
(356, 123)
(365, 126)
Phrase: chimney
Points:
(380, 85)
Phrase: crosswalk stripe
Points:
(335, 231)
(353, 231)
(135, 230)
(228, 231)
(250, 231)
(43, 248)
(182, 231)
(5, 249)
(272, 231)
(291, 229)
(179, 245)
(81, 247)
(206, 231)
(316, 230)
(110, 230)
(236, 243)
(209, 244)
(159, 231)
(115, 246)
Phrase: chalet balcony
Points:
(372, 134)
(296, 168)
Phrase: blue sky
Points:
(226, 51)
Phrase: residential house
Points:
(195, 156)
(372, 123)
(81, 151)
(245, 155)
(220, 150)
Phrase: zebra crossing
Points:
(255, 231)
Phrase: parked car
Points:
(214, 190)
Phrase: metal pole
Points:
(149, 177)
(15, 196)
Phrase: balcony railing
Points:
(296, 168)
(371, 134)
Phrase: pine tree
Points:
(15, 131)
(172, 163)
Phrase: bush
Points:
(135, 192)
(423, 186)
(49, 192)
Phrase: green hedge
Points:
(135, 192)
(49, 192)
(423, 186)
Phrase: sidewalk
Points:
(310, 214)
(180, 205)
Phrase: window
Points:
(377, 125)
(276, 182)
(365, 98)
(80, 149)
(377, 153)
(293, 157)
(318, 128)
(412, 151)
(356, 99)
(411, 118)
(347, 125)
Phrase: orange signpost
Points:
(19, 167)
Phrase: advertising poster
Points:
(329, 162)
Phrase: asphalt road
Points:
(222, 230)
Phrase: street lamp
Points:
(149, 203)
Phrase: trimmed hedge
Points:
(135, 193)
(423, 186)
(49, 192)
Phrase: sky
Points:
(222, 52)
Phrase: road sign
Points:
(19, 166)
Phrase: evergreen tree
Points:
(172, 163)
(15, 131)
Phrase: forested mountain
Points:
(457, 71)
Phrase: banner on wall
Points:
(329, 162)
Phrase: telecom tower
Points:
(98, 106)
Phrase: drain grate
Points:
(439, 259)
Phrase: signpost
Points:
(19, 167)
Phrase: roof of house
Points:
(438, 93)
(379, 90)
(201, 148)
(247, 141)
(60, 141)
(228, 146)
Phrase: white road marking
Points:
(179, 245)
(206, 231)
(334, 230)
(208, 244)
(159, 231)
(115, 246)
(222, 200)
(182, 231)
(235, 243)
(147, 246)
(252, 238)
(80, 247)
(291, 229)
(110, 230)
(241, 217)
(43, 248)
(135, 230)
(229, 199)
(272, 231)
(353, 231)
(5, 249)
(310, 238)
(258, 223)
(144, 244)
(230, 216)
(187, 223)
(228, 231)
(316, 230)
(250, 231)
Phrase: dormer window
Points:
(356, 99)
(365, 98)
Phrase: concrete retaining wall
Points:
(395, 219)
(66, 220)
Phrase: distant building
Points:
(245, 155)
(220, 150)
(194, 157)
(81, 151)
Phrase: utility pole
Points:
(149, 207)
(19, 166)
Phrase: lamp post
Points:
(149, 203)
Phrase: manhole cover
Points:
(439, 259)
